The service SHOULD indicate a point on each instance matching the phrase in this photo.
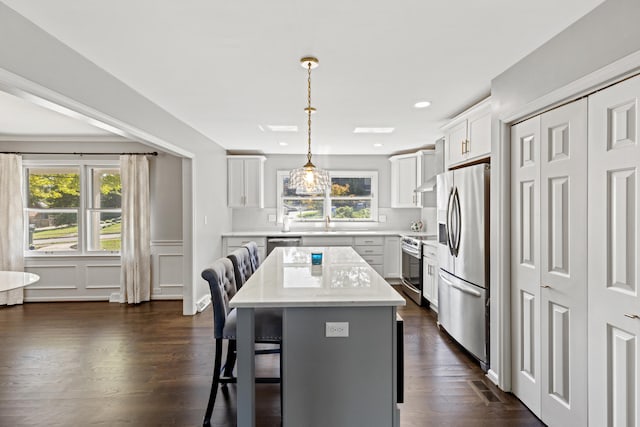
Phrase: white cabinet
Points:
(406, 176)
(392, 257)
(468, 136)
(430, 275)
(371, 249)
(229, 244)
(245, 181)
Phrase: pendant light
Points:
(309, 179)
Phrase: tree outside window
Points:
(350, 198)
(56, 196)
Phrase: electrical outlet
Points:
(271, 218)
(336, 329)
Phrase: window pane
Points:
(53, 231)
(286, 191)
(106, 188)
(304, 209)
(104, 231)
(351, 187)
(360, 209)
(51, 188)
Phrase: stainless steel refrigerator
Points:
(463, 256)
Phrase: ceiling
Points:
(229, 69)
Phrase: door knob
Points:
(632, 316)
(545, 286)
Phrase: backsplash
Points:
(396, 219)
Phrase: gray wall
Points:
(33, 62)
(608, 33)
(165, 177)
(604, 35)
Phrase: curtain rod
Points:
(153, 153)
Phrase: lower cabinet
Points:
(371, 248)
(430, 275)
(380, 252)
(229, 244)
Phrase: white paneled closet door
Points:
(563, 271)
(549, 280)
(525, 264)
(614, 300)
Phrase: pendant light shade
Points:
(309, 179)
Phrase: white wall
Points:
(36, 66)
(609, 33)
(257, 219)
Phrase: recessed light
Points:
(377, 144)
(373, 130)
(284, 144)
(282, 128)
(422, 104)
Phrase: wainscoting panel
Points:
(97, 278)
(167, 269)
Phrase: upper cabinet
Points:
(245, 181)
(468, 136)
(406, 176)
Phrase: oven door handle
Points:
(410, 251)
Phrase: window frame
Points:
(327, 199)
(83, 210)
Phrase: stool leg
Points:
(214, 384)
(231, 359)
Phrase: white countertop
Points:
(278, 233)
(286, 278)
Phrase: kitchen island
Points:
(348, 379)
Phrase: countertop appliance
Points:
(412, 267)
(463, 249)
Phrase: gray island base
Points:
(339, 381)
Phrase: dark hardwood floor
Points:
(95, 363)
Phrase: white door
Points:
(455, 144)
(235, 183)
(404, 177)
(614, 297)
(479, 144)
(253, 183)
(525, 262)
(563, 273)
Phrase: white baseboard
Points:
(203, 303)
(493, 377)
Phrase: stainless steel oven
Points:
(412, 268)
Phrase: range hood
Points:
(429, 184)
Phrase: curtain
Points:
(11, 223)
(135, 276)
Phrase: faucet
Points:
(327, 223)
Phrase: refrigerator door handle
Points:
(466, 290)
(458, 221)
(444, 279)
(449, 222)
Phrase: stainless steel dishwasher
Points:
(274, 242)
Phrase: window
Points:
(350, 198)
(72, 208)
